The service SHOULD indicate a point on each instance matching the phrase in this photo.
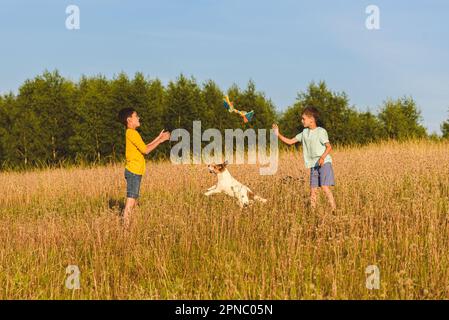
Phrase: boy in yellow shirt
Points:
(135, 161)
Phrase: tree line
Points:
(53, 120)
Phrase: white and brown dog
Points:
(230, 186)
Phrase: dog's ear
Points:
(221, 167)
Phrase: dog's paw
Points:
(260, 199)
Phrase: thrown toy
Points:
(247, 116)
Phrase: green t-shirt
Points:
(313, 145)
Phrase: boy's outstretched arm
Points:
(283, 139)
(162, 137)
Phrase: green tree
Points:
(149, 100)
(445, 129)
(46, 104)
(213, 104)
(251, 99)
(364, 127)
(52, 119)
(121, 97)
(290, 120)
(216, 116)
(93, 138)
(401, 119)
(4, 125)
(344, 124)
(335, 112)
(24, 143)
(184, 104)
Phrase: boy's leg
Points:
(330, 197)
(326, 181)
(132, 194)
(314, 186)
(129, 206)
(313, 196)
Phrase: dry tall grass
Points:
(393, 212)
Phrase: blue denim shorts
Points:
(322, 176)
(132, 184)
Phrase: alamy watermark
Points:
(72, 281)
(72, 22)
(257, 152)
(372, 22)
(373, 277)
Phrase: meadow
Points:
(393, 212)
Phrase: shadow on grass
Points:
(117, 205)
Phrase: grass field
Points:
(393, 201)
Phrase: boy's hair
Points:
(124, 114)
(311, 112)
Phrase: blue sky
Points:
(282, 45)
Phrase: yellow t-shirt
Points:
(135, 149)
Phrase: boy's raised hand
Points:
(164, 135)
(276, 129)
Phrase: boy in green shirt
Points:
(316, 149)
